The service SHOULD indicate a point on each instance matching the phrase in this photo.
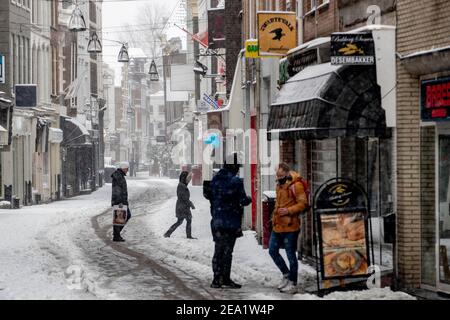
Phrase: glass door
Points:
(444, 213)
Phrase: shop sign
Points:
(277, 33)
(26, 95)
(284, 71)
(161, 139)
(210, 101)
(55, 135)
(352, 49)
(202, 106)
(252, 49)
(436, 100)
(342, 214)
(2, 69)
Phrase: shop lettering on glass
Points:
(436, 100)
(352, 49)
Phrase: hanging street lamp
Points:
(154, 76)
(77, 22)
(94, 45)
(123, 54)
(200, 68)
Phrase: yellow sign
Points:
(252, 49)
(277, 33)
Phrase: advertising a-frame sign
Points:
(342, 232)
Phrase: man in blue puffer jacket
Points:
(228, 199)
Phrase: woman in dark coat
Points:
(183, 206)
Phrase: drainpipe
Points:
(300, 21)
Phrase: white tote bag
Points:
(120, 215)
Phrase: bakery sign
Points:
(435, 100)
(342, 214)
(352, 49)
(277, 32)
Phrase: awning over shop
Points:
(75, 134)
(427, 62)
(325, 101)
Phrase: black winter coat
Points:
(119, 188)
(184, 205)
(228, 198)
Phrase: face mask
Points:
(282, 181)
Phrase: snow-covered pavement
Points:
(63, 251)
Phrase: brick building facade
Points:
(321, 22)
(422, 44)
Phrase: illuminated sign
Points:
(436, 100)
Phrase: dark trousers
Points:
(178, 223)
(118, 229)
(223, 255)
(289, 241)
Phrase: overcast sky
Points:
(117, 13)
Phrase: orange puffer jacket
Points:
(291, 196)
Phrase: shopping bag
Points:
(120, 215)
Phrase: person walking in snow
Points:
(119, 195)
(183, 206)
(290, 202)
(228, 198)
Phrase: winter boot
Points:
(116, 234)
(217, 283)
(231, 284)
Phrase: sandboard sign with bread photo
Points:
(120, 215)
(342, 229)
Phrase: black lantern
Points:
(94, 45)
(123, 55)
(200, 68)
(77, 22)
(154, 76)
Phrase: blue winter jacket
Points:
(228, 198)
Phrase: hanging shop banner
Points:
(436, 100)
(341, 213)
(216, 28)
(277, 33)
(352, 49)
(2, 69)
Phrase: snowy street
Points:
(63, 250)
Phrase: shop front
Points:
(331, 124)
(430, 71)
(77, 157)
(18, 168)
(6, 114)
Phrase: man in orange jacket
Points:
(291, 201)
